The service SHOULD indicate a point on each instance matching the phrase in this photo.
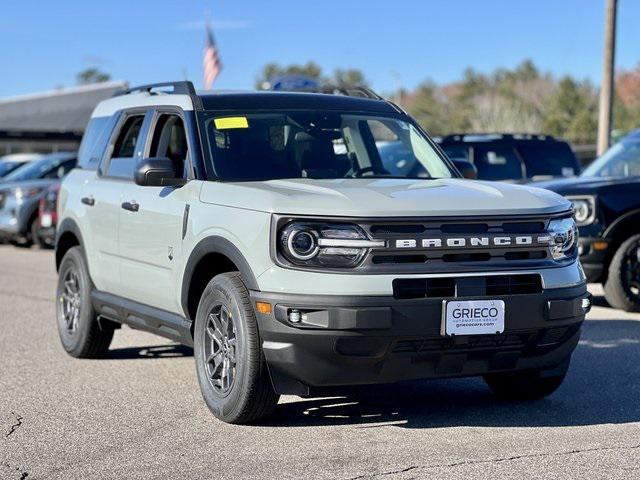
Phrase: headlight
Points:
(584, 209)
(563, 238)
(20, 193)
(324, 244)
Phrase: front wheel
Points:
(230, 364)
(622, 288)
(529, 385)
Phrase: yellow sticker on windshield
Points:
(231, 122)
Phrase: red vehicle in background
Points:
(45, 231)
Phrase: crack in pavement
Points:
(15, 426)
(493, 460)
(23, 473)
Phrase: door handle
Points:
(131, 206)
(88, 201)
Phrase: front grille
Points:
(532, 342)
(423, 245)
(460, 287)
(480, 342)
(504, 285)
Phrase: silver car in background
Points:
(20, 192)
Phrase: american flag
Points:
(211, 61)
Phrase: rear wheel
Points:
(231, 370)
(80, 333)
(622, 288)
(529, 385)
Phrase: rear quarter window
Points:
(94, 142)
(495, 162)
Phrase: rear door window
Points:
(456, 152)
(497, 163)
(122, 162)
(94, 141)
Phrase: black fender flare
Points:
(623, 219)
(215, 244)
(68, 225)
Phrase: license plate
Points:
(473, 317)
(45, 220)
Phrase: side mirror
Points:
(466, 168)
(157, 172)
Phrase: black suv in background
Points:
(606, 202)
(513, 157)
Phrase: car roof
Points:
(21, 157)
(61, 156)
(633, 135)
(185, 97)
(267, 100)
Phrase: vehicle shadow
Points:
(157, 351)
(603, 386)
(600, 301)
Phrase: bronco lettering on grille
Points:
(473, 242)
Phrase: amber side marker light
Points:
(599, 245)
(263, 307)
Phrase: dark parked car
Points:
(20, 193)
(513, 157)
(606, 200)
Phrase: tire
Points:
(35, 238)
(622, 288)
(80, 332)
(529, 385)
(22, 242)
(226, 329)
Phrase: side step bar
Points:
(142, 317)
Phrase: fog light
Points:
(294, 316)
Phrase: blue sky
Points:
(45, 43)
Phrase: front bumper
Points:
(9, 228)
(351, 340)
(15, 217)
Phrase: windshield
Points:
(45, 168)
(318, 145)
(621, 160)
(8, 166)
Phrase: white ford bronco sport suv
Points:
(268, 231)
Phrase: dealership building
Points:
(50, 121)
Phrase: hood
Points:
(384, 197)
(38, 183)
(582, 185)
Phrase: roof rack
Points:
(362, 92)
(182, 87)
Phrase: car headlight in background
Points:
(584, 209)
(319, 244)
(563, 238)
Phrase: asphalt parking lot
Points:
(138, 413)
